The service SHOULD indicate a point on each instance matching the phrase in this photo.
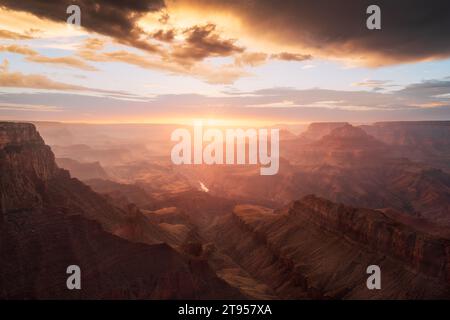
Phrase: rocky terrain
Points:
(142, 228)
(82, 170)
(424, 141)
(49, 221)
(318, 249)
(344, 165)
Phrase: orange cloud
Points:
(164, 35)
(34, 81)
(63, 61)
(34, 56)
(5, 34)
(94, 44)
(224, 74)
(20, 80)
(24, 50)
(337, 29)
(287, 56)
(251, 58)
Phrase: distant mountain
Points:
(345, 146)
(411, 133)
(346, 165)
(348, 136)
(317, 130)
(49, 221)
(424, 141)
(287, 135)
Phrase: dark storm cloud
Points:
(164, 35)
(118, 19)
(411, 29)
(203, 41)
(108, 17)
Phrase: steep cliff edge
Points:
(425, 250)
(26, 166)
(49, 221)
(318, 249)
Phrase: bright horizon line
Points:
(207, 122)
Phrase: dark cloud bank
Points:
(411, 29)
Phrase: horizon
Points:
(218, 123)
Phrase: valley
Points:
(139, 228)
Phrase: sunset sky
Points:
(262, 61)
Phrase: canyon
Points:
(141, 228)
(50, 220)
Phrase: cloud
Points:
(164, 35)
(375, 85)
(117, 19)
(93, 44)
(427, 94)
(203, 41)
(183, 57)
(167, 45)
(123, 56)
(251, 58)
(415, 102)
(224, 74)
(178, 56)
(287, 56)
(308, 66)
(271, 105)
(34, 56)
(34, 81)
(410, 31)
(20, 80)
(24, 50)
(429, 88)
(63, 61)
(28, 107)
(5, 34)
(4, 66)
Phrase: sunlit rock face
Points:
(315, 248)
(26, 165)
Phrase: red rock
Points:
(49, 221)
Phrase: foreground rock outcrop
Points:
(319, 249)
(49, 221)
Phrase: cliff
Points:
(424, 251)
(26, 166)
(318, 249)
(50, 221)
(82, 170)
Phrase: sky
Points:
(264, 61)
